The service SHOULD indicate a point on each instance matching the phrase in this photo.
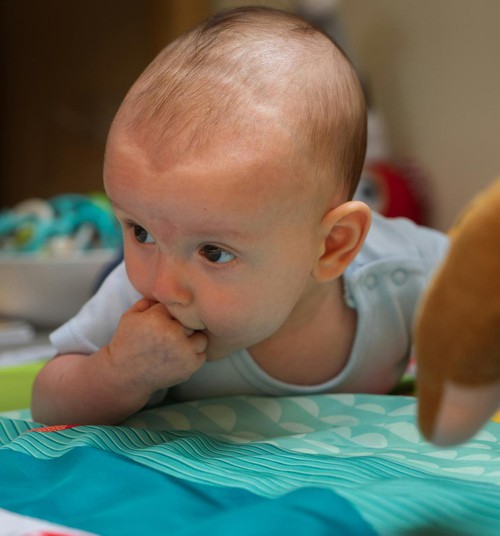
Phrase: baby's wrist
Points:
(121, 387)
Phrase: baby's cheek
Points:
(138, 278)
(243, 320)
(142, 286)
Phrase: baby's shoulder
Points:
(393, 267)
(399, 239)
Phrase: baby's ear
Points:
(343, 230)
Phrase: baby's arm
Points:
(149, 351)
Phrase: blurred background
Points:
(430, 69)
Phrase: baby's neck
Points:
(314, 344)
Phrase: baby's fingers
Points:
(142, 305)
(199, 341)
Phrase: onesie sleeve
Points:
(94, 325)
(385, 284)
(433, 246)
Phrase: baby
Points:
(231, 165)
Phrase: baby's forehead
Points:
(217, 111)
(256, 146)
(254, 139)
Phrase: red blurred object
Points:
(395, 190)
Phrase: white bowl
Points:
(48, 290)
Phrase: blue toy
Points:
(69, 222)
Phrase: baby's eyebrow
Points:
(213, 231)
(117, 207)
(222, 231)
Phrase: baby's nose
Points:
(170, 287)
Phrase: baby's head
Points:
(260, 73)
(230, 165)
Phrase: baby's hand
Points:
(151, 350)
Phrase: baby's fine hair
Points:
(258, 58)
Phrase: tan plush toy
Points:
(457, 330)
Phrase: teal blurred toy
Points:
(68, 222)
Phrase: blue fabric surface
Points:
(365, 449)
(105, 493)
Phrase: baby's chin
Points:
(216, 351)
(216, 354)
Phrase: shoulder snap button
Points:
(371, 281)
(399, 277)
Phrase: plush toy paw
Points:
(457, 330)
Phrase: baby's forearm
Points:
(81, 389)
(149, 351)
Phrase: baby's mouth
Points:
(190, 326)
(191, 330)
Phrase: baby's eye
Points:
(141, 235)
(216, 254)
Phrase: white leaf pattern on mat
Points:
(343, 431)
(373, 440)
(372, 408)
(476, 458)
(268, 407)
(405, 430)
(224, 416)
(323, 446)
(347, 400)
(296, 427)
(308, 405)
(465, 470)
(443, 454)
(177, 420)
(484, 435)
(344, 420)
(409, 409)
